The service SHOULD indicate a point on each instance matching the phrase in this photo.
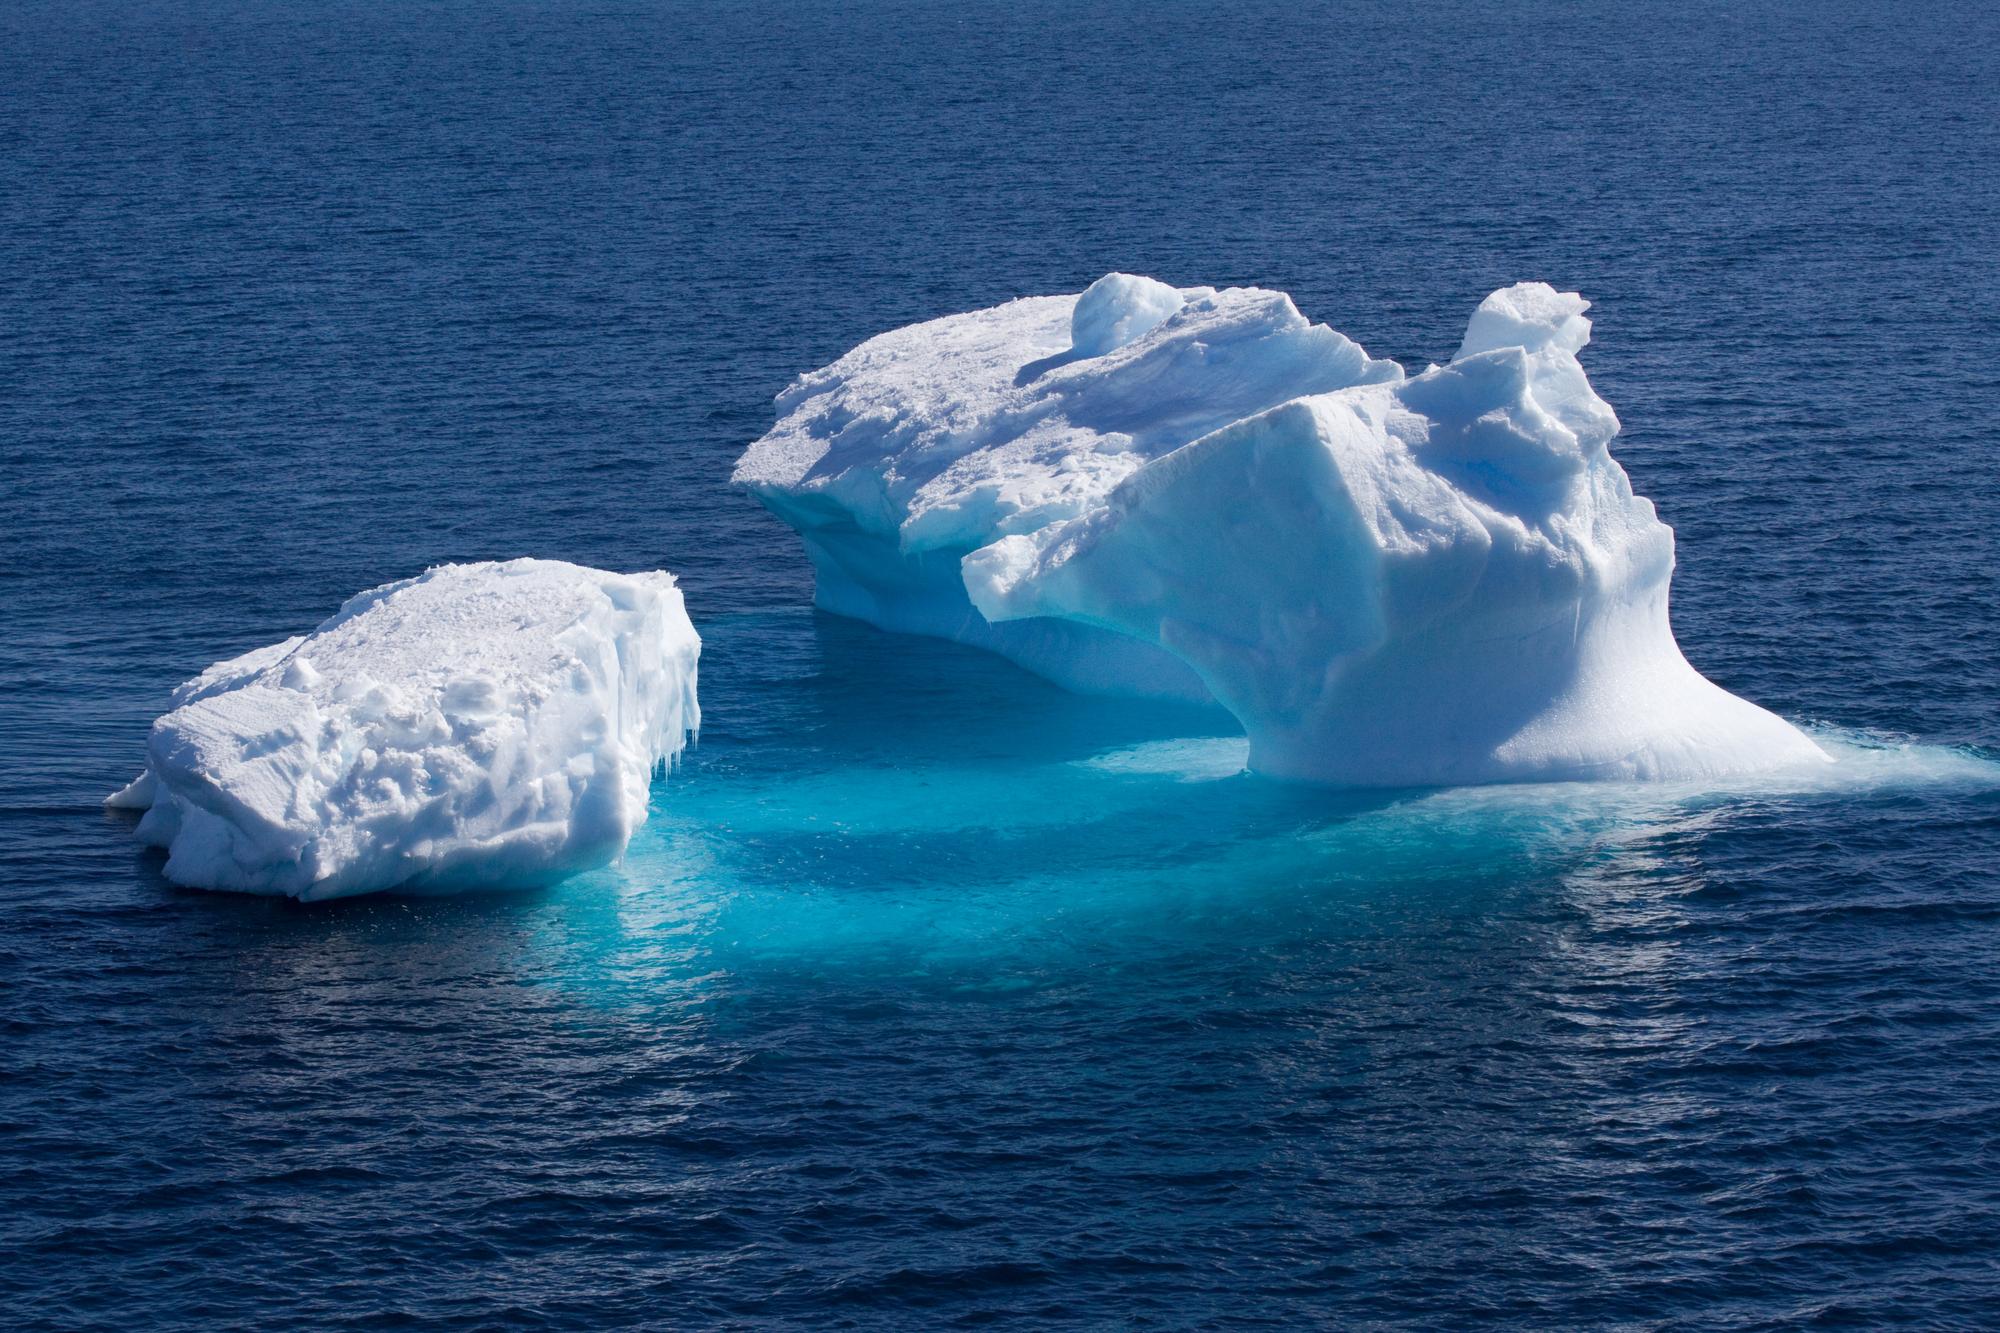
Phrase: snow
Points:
(1437, 579)
(482, 725)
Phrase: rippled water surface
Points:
(931, 995)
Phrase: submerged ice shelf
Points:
(480, 725)
(1198, 494)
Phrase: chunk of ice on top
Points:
(1119, 309)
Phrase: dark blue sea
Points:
(931, 996)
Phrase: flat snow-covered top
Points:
(951, 433)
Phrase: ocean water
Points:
(931, 996)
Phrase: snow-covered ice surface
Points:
(1198, 494)
(926, 444)
(482, 725)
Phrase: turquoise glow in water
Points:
(914, 805)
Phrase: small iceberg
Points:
(1196, 494)
(483, 725)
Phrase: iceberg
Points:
(482, 725)
(1390, 580)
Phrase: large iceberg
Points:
(484, 725)
(1198, 494)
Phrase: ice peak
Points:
(1120, 308)
(1529, 315)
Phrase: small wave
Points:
(1190, 759)
(1862, 761)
